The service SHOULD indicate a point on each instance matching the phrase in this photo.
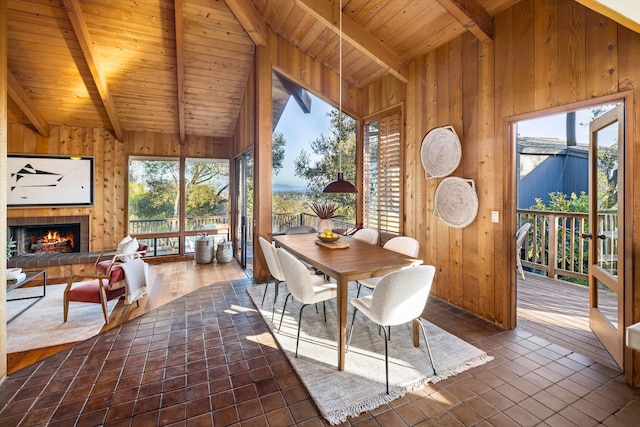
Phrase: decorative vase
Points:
(324, 223)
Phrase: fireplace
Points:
(49, 235)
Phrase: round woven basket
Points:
(440, 152)
(456, 202)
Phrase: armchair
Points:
(106, 284)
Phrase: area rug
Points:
(361, 386)
(42, 325)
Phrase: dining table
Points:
(352, 260)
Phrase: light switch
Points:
(495, 216)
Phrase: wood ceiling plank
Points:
(472, 15)
(250, 20)
(26, 105)
(355, 35)
(179, 33)
(84, 38)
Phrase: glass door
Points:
(243, 215)
(606, 187)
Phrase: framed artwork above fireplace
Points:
(38, 181)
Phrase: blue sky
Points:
(299, 129)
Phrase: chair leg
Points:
(359, 286)
(299, 324)
(266, 288)
(386, 358)
(424, 333)
(103, 302)
(283, 309)
(353, 319)
(275, 298)
(324, 307)
(66, 308)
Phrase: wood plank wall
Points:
(546, 53)
(108, 221)
(3, 186)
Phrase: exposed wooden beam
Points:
(300, 95)
(180, 66)
(358, 37)
(82, 33)
(26, 105)
(250, 20)
(472, 16)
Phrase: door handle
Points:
(602, 237)
(586, 236)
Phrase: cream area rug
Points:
(361, 386)
(42, 325)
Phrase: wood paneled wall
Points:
(546, 54)
(108, 220)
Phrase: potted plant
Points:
(326, 212)
(11, 247)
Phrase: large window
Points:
(382, 174)
(171, 200)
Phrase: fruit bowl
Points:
(335, 238)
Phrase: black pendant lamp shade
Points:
(340, 186)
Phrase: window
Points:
(166, 212)
(382, 174)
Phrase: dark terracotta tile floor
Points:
(209, 359)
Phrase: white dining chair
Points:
(399, 297)
(367, 235)
(304, 286)
(401, 244)
(520, 236)
(275, 269)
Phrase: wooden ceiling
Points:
(181, 67)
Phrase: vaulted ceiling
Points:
(182, 67)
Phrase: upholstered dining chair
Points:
(367, 235)
(399, 297)
(105, 285)
(520, 236)
(275, 269)
(401, 244)
(304, 286)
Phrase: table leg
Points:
(343, 296)
(416, 333)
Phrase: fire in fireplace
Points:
(44, 239)
(52, 241)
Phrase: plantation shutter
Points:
(382, 174)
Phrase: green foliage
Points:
(559, 202)
(278, 144)
(337, 153)
(154, 189)
(11, 247)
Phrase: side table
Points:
(31, 275)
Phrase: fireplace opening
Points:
(46, 239)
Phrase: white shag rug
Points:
(361, 386)
(42, 324)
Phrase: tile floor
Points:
(209, 359)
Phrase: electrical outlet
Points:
(495, 216)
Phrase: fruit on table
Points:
(329, 234)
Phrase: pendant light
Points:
(340, 185)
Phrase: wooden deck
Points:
(559, 312)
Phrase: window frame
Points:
(391, 117)
(181, 234)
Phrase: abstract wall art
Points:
(36, 181)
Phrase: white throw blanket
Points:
(136, 274)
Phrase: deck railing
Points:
(168, 225)
(554, 244)
(284, 221)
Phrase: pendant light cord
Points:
(340, 95)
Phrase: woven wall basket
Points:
(456, 202)
(440, 152)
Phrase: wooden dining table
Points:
(358, 261)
